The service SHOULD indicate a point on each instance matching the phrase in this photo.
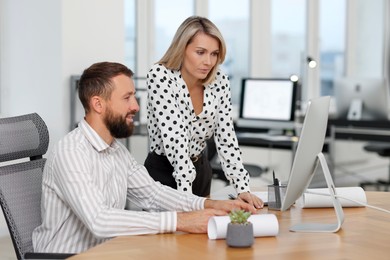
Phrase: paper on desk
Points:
(319, 201)
(264, 225)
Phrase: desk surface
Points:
(364, 235)
(363, 130)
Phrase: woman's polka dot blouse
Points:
(178, 133)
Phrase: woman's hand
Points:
(251, 199)
(229, 205)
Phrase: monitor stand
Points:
(321, 227)
(355, 110)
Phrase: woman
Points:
(189, 101)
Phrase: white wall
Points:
(44, 42)
(31, 59)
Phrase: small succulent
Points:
(239, 217)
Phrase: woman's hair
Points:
(174, 56)
(96, 81)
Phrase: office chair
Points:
(23, 141)
(253, 170)
(382, 149)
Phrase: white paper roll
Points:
(264, 225)
(308, 200)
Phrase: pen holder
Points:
(275, 196)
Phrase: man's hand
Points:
(229, 205)
(196, 221)
(251, 199)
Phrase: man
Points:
(89, 176)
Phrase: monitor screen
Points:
(361, 98)
(267, 103)
(308, 156)
(310, 144)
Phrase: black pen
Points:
(277, 191)
(231, 196)
(276, 181)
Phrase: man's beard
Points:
(117, 125)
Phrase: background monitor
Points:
(267, 104)
(362, 98)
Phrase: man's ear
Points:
(97, 104)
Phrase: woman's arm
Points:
(168, 118)
(226, 141)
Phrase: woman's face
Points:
(201, 55)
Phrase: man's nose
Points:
(134, 106)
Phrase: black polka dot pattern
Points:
(178, 133)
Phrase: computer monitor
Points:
(267, 104)
(307, 156)
(362, 98)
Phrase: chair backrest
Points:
(21, 137)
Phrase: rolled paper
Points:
(217, 227)
(264, 225)
(308, 200)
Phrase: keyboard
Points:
(264, 136)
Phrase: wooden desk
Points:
(365, 234)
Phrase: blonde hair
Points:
(174, 56)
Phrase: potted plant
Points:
(239, 230)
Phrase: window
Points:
(130, 34)
(233, 22)
(332, 35)
(349, 40)
(288, 29)
(168, 17)
(367, 38)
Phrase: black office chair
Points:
(23, 141)
(382, 149)
(253, 170)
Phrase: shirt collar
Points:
(94, 138)
(177, 74)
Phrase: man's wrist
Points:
(209, 204)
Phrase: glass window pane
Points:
(233, 22)
(169, 14)
(369, 39)
(130, 42)
(288, 29)
(332, 42)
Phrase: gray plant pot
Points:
(239, 235)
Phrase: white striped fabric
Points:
(85, 186)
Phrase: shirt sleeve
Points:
(73, 173)
(228, 149)
(168, 119)
(153, 196)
